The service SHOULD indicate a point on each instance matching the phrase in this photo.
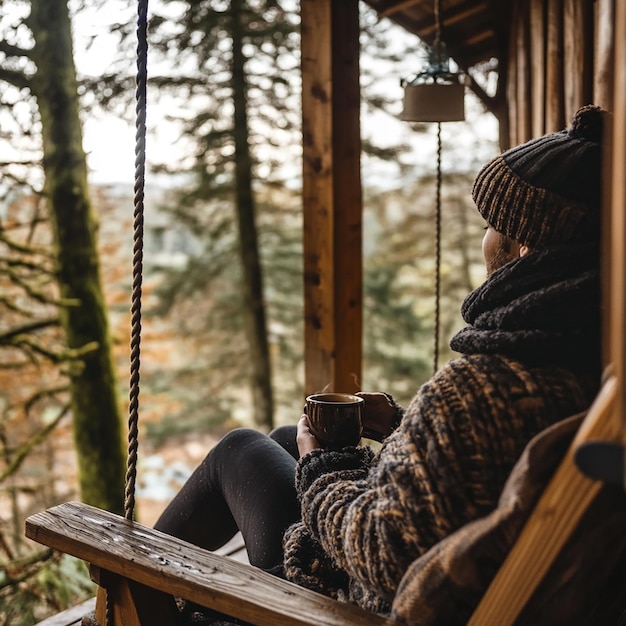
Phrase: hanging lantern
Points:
(436, 94)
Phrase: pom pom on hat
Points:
(588, 124)
(548, 190)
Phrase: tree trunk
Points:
(96, 411)
(254, 311)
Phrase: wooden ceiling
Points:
(474, 30)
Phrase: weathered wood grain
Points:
(173, 566)
(555, 90)
(578, 27)
(71, 617)
(331, 192)
(538, 67)
(616, 222)
(524, 73)
(604, 65)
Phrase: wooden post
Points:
(538, 66)
(511, 83)
(524, 71)
(605, 50)
(578, 19)
(604, 84)
(131, 603)
(555, 118)
(331, 195)
(617, 300)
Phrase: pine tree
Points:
(44, 76)
(239, 77)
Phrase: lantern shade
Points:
(434, 102)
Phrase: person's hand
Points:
(378, 415)
(305, 438)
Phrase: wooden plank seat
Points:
(234, 549)
(165, 564)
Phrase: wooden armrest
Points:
(169, 565)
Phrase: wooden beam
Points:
(332, 195)
(538, 67)
(522, 38)
(500, 105)
(398, 6)
(511, 84)
(555, 118)
(488, 101)
(578, 19)
(449, 16)
(605, 51)
(617, 229)
(478, 37)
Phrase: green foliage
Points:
(204, 301)
(30, 591)
(193, 77)
(208, 287)
(399, 281)
(205, 298)
(97, 425)
(198, 417)
(396, 348)
(202, 37)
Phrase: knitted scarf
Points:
(542, 309)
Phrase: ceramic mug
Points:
(335, 419)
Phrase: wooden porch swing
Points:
(137, 568)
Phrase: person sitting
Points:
(348, 523)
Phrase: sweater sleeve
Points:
(375, 522)
(365, 511)
(443, 466)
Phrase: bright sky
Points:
(110, 141)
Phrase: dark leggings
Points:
(245, 483)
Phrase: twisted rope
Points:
(438, 39)
(135, 338)
(135, 334)
(437, 253)
(438, 31)
(108, 615)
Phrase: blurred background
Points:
(195, 354)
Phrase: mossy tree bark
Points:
(95, 406)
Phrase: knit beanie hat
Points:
(548, 190)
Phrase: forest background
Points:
(223, 305)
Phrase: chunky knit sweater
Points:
(530, 357)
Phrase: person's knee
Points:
(285, 436)
(236, 440)
(239, 435)
(230, 453)
(283, 433)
